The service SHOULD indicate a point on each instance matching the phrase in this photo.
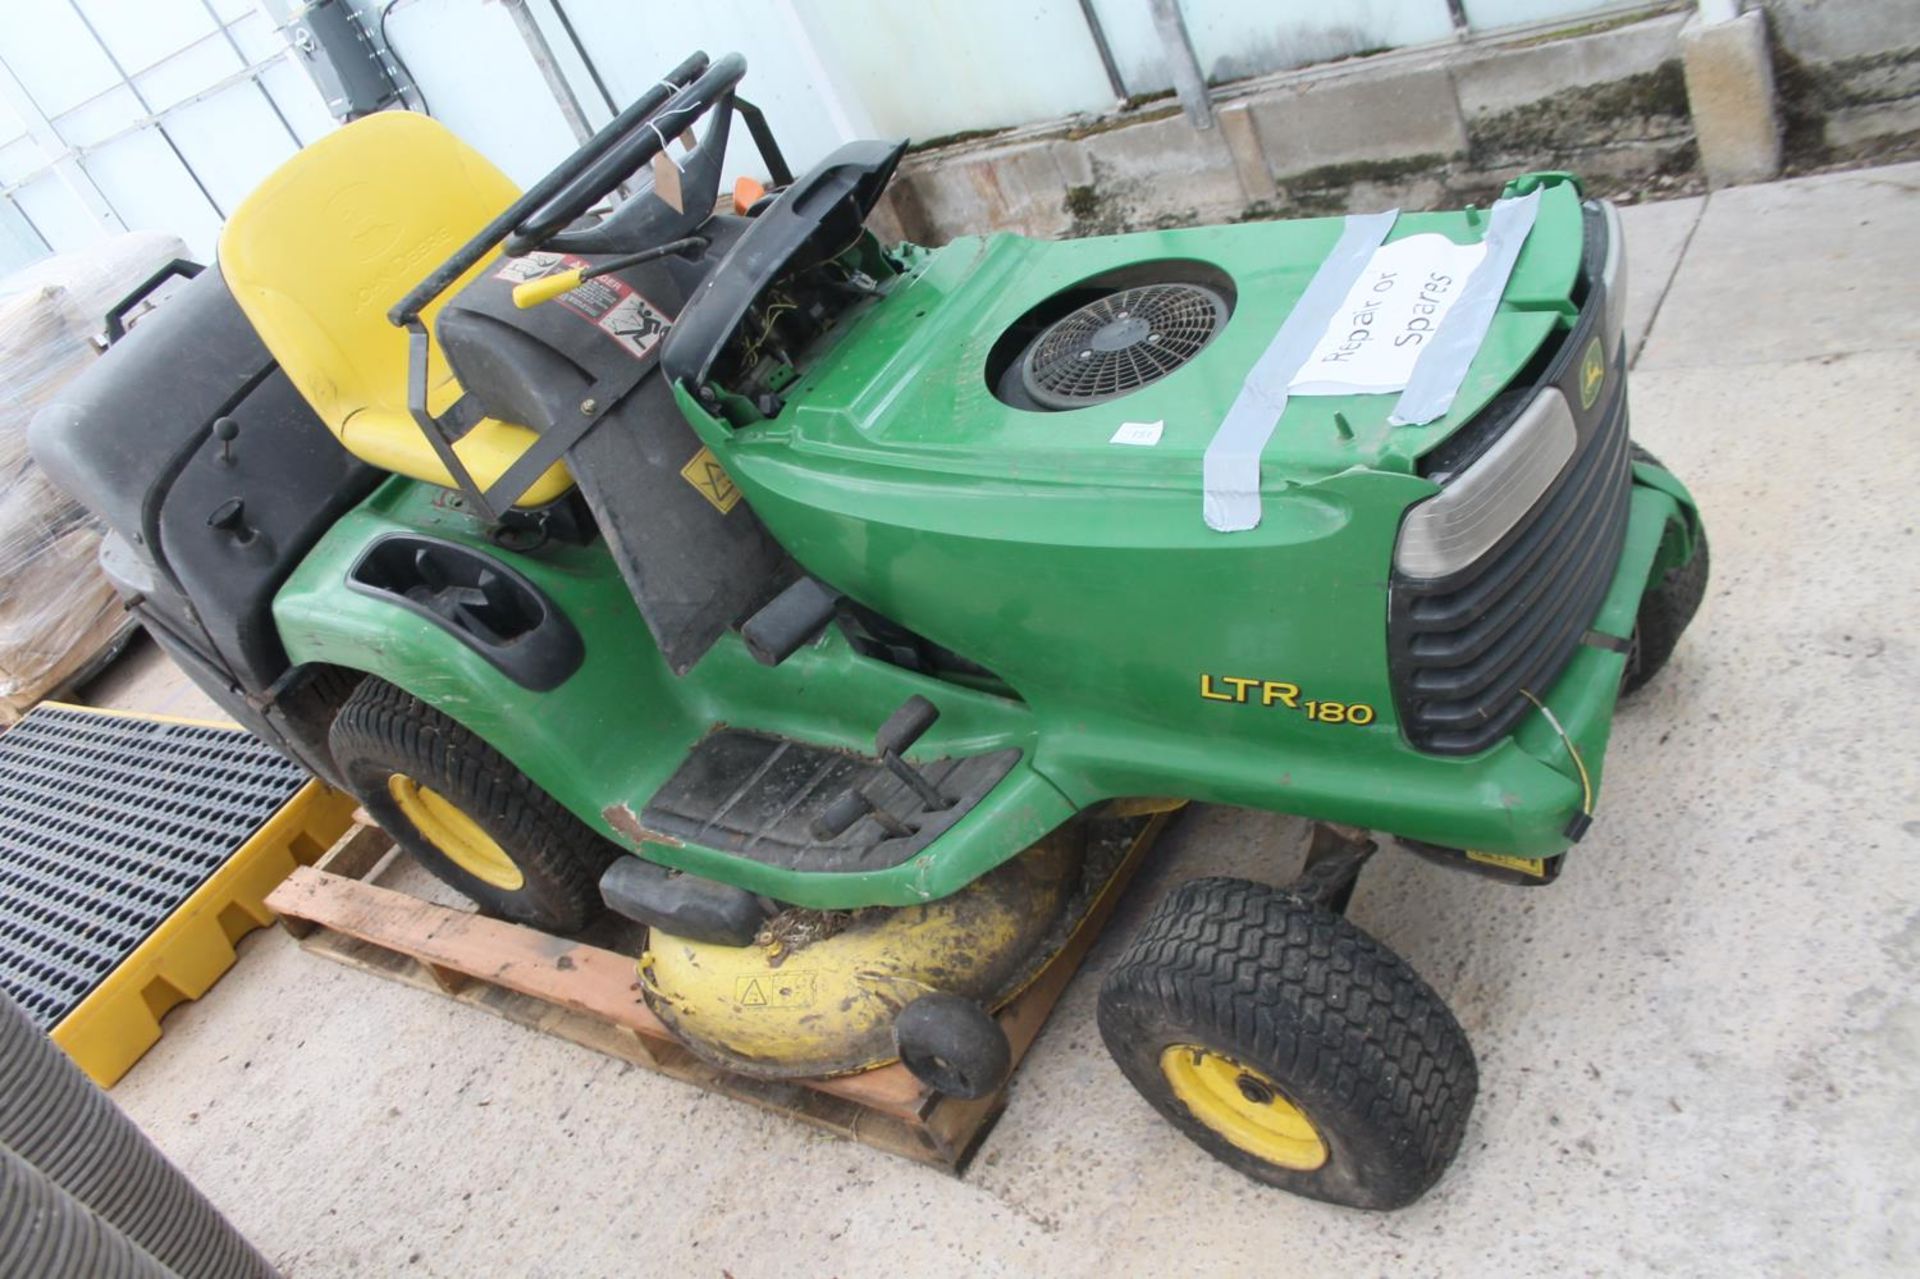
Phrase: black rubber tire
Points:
(1344, 1028)
(383, 730)
(954, 1045)
(1665, 610)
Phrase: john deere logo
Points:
(1593, 374)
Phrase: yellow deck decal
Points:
(1535, 866)
(776, 990)
(704, 472)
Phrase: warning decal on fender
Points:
(621, 313)
(613, 305)
(704, 472)
(533, 266)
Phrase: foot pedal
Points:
(790, 619)
(758, 796)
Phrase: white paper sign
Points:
(1389, 315)
(1146, 434)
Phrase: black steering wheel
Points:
(628, 154)
(625, 146)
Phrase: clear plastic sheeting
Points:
(57, 609)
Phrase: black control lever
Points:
(226, 430)
(848, 807)
(903, 728)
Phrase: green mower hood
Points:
(911, 382)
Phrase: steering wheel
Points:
(626, 145)
(629, 153)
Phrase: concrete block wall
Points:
(1729, 73)
(1847, 73)
(1418, 127)
(1421, 125)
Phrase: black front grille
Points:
(1468, 648)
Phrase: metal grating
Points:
(108, 824)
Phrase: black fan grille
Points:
(1120, 343)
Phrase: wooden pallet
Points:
(587, 991)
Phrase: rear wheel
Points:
(1290, 1045)
(466, 814)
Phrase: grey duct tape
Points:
(1443, 365)
(1230, 470)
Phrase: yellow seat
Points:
(338, 234)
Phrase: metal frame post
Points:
(536, 41)
(64, 164)
(1115, 80)
(113, 61)
(1188, 82)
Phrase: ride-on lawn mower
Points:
(822, 604)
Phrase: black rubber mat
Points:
(756, 795)
(108, 824)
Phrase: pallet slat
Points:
(591, 996)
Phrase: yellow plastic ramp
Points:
(134, 853)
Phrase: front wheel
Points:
(1290, 1045)
(465, 813)
(1666, 608)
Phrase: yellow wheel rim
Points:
(1244, 1106)
(442, 824)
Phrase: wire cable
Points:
(413, 81)
(1586, 784)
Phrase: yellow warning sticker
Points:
(1535, 866)
(774, 990)
(705, 473)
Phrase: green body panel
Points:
(1081, 573)
(606, 738)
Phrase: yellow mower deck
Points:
(817, 992)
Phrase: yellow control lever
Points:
(546, 288)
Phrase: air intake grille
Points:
(1120, 343)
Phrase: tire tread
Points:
(1308, 997)
(383, 729)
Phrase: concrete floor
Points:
(1699, 1051)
